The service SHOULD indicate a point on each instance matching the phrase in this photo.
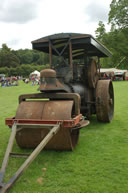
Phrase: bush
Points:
(4, 70)
(23, 70)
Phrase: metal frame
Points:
(60, 54)
(64, 123)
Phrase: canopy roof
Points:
(35, 73)
(114, 70)
(82, 44)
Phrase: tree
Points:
(100, 31)
(7, 58)
(118, 18)
(5, 48)
(118, 15)
(116, 39)
(25, 56)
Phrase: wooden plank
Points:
(8, 150)
(19, 155)
(28, 161)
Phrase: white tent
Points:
(113, 70)
(107, 70)
(36, 73)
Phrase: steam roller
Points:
(51, 106)
(47, 120)
(71, 90)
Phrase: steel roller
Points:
(65, 139)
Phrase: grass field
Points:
(99, 164)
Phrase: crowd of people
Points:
(34, 79)
(13, 80)
(9, 81)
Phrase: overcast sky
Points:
(22, 21)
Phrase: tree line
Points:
(23, 62)
(116, 39)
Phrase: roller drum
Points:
(65, 139)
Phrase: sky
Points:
(22, 21)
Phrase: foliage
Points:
(7, 58)
(116, 39)
(21, 62)
(28, 56)
(100, 31)
(118, 15)
(97, 165)
(118, 48)
(22, 70)
(4, 70)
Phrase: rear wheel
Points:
(104, 101)
(92, 74)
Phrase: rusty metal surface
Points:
(64, 123)
(83, 123)
(55, 96)
(65, 139)
(47, 110)
(50, 85)
(104, 101)
(48, 81)
(47, 73)
(30, 110)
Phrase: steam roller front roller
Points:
(52, 106)
(104, 101)
(65, 139)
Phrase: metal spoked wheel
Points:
(104, 101)
(92, 74)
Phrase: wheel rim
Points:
(111, 101)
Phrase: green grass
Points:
(99, 164)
